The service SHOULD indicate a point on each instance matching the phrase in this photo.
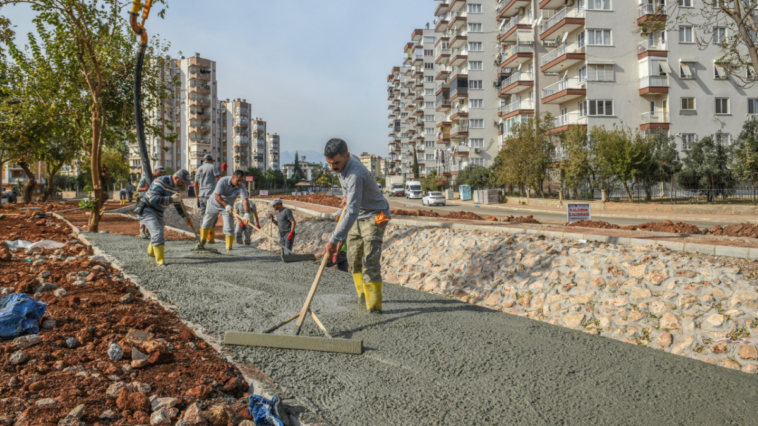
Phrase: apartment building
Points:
(274, 150)
(259, 151)
(587, 62)
(12, 175)
(372, 162)
(235, 135)
(310, 169)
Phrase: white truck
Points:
(413, 189)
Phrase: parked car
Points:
(397, 190)
(11, 196)
(413, 189)
(434, 198)
(380, 187)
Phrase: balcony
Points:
(458, 92)
(201, 102)
(517, 108)
(458, 113)
(442, 8)
(517, 54)
(460, 151)
(552, 4)
(456, 5)
(442, 87)
(459, 39)
(200, 75)
(418, 58)
(458, 20)
(651, 12)
(441, 26)
(654, 120)
(200, 128)
(509, 8)
(562, 122)
(443, 75)
(460, 57)
(562, 57)
(564, 21)
(459, 132)
(516, 83)
(563, 91)
(654, 85)
(202, 89)
(197, 140)
(656, 48)
(443, 105)
(508, 32)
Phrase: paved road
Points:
(547, 217)
(434, 361)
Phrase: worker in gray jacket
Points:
(142, 189)
(242, 231)
(222, 202)
(205, 183)
(365, 220)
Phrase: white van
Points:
(413, 189)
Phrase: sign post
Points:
(578, 212)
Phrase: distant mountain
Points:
(288, 157)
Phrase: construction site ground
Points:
(430, 359)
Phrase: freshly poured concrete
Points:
(430, 360)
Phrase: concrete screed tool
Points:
(287, 256)
(197, 237)
(330, 344)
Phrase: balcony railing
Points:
(645, 45)
(566, 12)
(519, 76)
(561, 50)
(651, 9)
(440, 50)
(442, 102)
(654, 117)
(525, 20)
(515, 106)
(459, 129)
(569, 119)
(654, 81)
(517, 48)
(565, 84)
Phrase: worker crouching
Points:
(364, 223)
(226, 192)
(163, 192)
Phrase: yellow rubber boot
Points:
(358, 278)
(150, 250)
(212, 235)
(373, 296)
(159, 251)
(204, 234)
(229, 242)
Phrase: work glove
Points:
(258, 226)
(291, 236)
(228, 208)
(270, 217)
(198, 203)
(176, 198)
(246, 217)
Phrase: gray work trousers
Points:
(243, 234)
(155, 223)
(203, 205)
(211, 217)
(285, 242)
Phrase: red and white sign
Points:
(577, 212)
(264, 192)
(250, 178)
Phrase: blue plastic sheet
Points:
(19, 315)
(261, 409)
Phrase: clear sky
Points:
(312, 69)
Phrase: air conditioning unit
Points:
(521, 11)
(549, 43)
(476, 150)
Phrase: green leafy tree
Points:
(621, 154)
(706, 169)
(745, 149)
(61, 148)
(526, 155)
(298, 173)
(476, 176)
(429, 183)
(665, 157)
(416, 170)
(575, 164)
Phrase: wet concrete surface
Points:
(429, 360)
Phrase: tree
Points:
(415, 169)
(745, 150)
(298, 173)
(257, 175)
(92, 51)
(665, 158)
(474, 175)
(575, 162)
(526, 154)
(706, 169)
(621, 155)
(429, 183)
(115, 168)
(61, 148)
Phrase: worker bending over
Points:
(227, 190)
(142, 188)
(243, 230)
(286, 223)
(205, 183)
(122, 195)
(365, 219)
(164, 191)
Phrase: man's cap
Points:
(160, 169)
(208, 157)
(184, 176)
(276, 201)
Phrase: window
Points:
(722, 105)
(430, 156)
(477, 162)
(476, 124)
(476, 143)
(599, 4)
(474, 8)
(475, 65)
(429, 130)
(685, 34)
(475, 84)
(685, 3)
(600, 72)
(719, 35)
(428, 92)
(475, 103)
(752, 106)
(599, 37)
(723, 139)
(403, 115)
(428, 52)
(687, 70)
(429, 144)
(428, 65)
(428, 104)
(597, 108)
(580, 40)
(429, 79)
(475, 46)
(688, 104)
(428, 39)
(429, 117)
(474, 28)
(688, 139)
(719, 73)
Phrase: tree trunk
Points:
(51, 172)
(31, 183)
(673, 197)
(97, 182)
(648, 190)
(628, 192)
